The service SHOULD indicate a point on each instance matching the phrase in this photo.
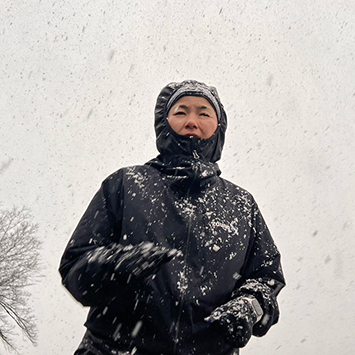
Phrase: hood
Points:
(169, 143)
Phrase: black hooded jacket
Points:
(177, 200)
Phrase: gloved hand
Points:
(141, 260)
(234, 320)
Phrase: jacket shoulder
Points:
(138, 174)
(237, 190)
(129, 171)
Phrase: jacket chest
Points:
(209, 221)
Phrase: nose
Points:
(191, 122)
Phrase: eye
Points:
(205, 114)
(179, 113)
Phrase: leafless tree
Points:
(19, 261)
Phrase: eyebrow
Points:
(199, 108)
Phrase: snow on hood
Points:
(169, 143)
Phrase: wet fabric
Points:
(176, 201)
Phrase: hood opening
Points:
(168, 142)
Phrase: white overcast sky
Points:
(78, 85)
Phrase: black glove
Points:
(133, 261)
(234, 320)
(143, 260)
(265, 291)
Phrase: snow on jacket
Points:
(177, 200)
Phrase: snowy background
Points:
(78, 85)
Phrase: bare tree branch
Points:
(19, 263)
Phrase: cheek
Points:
(174, 124)
(210, 128)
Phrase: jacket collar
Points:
(185, 174)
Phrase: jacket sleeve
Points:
(86, 267)
(262, 275)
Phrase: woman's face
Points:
(193, 116)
